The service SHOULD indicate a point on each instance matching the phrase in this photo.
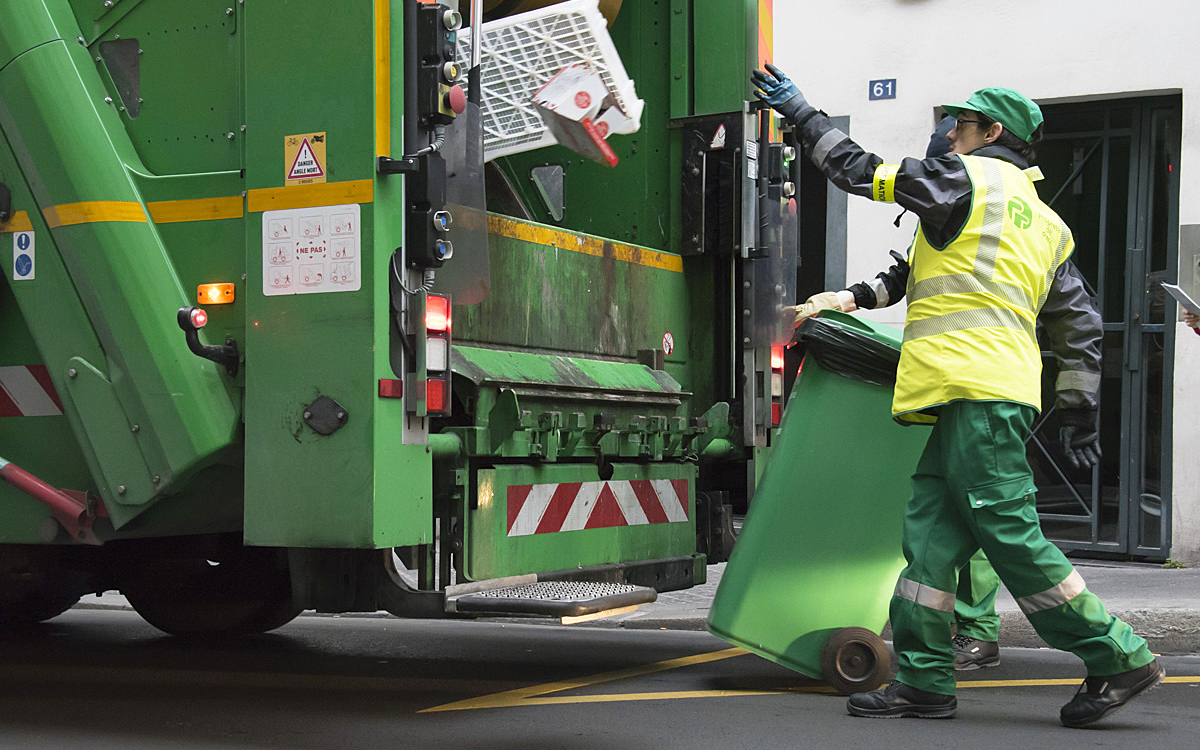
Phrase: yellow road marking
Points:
(521, 695)
(18, 222)
(87, 212)
(667, 696)
(1057, 682)
(540, 234)
(310, 196)
(539, 695)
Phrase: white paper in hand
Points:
(1183, 298)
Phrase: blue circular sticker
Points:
(22, 241)
(22, 265)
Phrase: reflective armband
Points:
(883, 185)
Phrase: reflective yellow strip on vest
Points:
(965, 283)
(962, 320)
(926, 596)
(1054, 596)
(1064, 236)
(993, 219)
(883, 185)
(89, 212)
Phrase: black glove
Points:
(1079, 437)
(777, 90)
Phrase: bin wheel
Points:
(855, 660)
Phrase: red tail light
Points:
(776, 357)
(436, 395)
(437, 313)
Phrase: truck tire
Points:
(34, 607)
(35, 586)
(196, 597)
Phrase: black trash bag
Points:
(848, 352)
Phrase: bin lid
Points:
(852, 346)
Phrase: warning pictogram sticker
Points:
(304, 158)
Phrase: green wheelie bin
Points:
(811, 575)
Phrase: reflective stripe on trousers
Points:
(926, 596)
(1054, 596)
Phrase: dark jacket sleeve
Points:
(886, 289)
(930, 188)
(1075, 331)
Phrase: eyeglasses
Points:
(958, 123)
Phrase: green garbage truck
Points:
(288, 324)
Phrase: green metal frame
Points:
(173, 445)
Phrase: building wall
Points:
(1052, 51)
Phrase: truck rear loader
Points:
(278, 334)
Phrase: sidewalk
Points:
(1162, 605)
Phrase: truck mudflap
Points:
(524, 519)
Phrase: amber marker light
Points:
(214, 294)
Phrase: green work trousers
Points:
(975, 600)
(973, 490)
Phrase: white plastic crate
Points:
(520, 53)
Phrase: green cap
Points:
(1018, 115)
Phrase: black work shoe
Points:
(1099, 696)
(899, 700)
(970, 653)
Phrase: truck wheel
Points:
(35, 586)
(33, 607)
(855, 660)
(241, 596)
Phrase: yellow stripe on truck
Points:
(311, 196)
(199, 209)
(19, 222)
(89, 212)
(383, 79)
(582, 243)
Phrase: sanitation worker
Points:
(1074, 330)
(982, 262)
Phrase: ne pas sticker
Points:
(312, 250)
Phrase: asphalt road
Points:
(104, 679)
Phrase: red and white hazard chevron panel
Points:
(27, 391)
(571, 506)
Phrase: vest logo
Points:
(1020, 213)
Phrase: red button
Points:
(456, 99)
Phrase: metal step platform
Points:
(573, 601)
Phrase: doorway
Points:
(1112, 173)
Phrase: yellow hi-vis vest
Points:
(973, 306)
